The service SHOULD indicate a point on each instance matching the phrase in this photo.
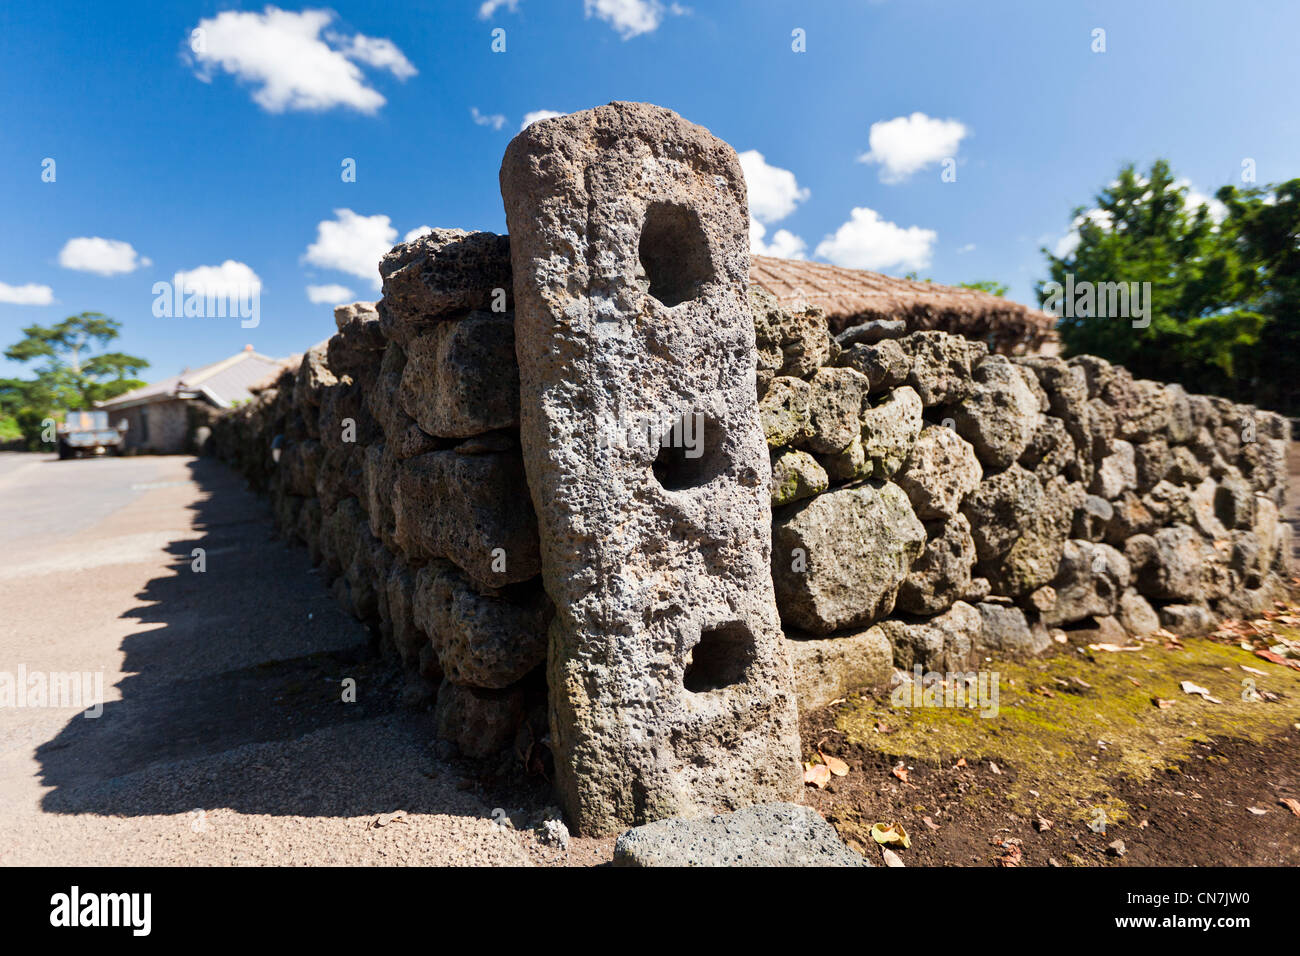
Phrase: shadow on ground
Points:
(233, 695)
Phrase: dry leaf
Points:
(1257, 811)
(891, 858)
(959, 763)
(994, 768)
(836, 765)
(1291, 804)
(929, 823)
(384, 819)
(1162, 703)
(817, 774)
(1043, 824)
(890, 833)
(900, 772)
(1113, 648)
(1253, 670)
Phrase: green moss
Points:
(1053, 713)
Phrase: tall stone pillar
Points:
(670, 690)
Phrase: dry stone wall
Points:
(930, 503)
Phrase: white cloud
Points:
(868, 242)
(229, 280)
(105, 257)
(773, 192)
(378, 52)
(784, 245)
(1193, 199)
(29, 294)
(969, 247)
(416, 233)
(630, 18)
(283, 56)
(495, 120)
(489, 7)
(535, 115)
(352, 244)
(330, 294)
(907, 143)
(1066, 245)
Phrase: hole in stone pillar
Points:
(689, 452)
(721, 658)
(674, 253)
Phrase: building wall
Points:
(159, 427)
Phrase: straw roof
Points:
(851, 296)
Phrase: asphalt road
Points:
(223, 737)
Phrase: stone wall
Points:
(932, 503)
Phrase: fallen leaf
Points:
(384, 819)
(890, 833)
(994, 768)
(1291, 804)
(1113, 648)
(959, 763)
(817, 774)
(891, 858)
(1042, 824)
(1202, 692)
(1277, 659)
(1117, 848)
(1162, 703)
(1253, 670)
(1257, 811)
(836, 765)
(900, 772)
(929, 823)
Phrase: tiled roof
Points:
(222, 383)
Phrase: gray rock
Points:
(440, 275)
(1136, 615)
(940, 472)
(1171, 564)
(835, 400)
(944, 643)
(777, 834)
(885, 364)
(942, 573)
(1187, 620)
(828, 668)
(482, 640)
(1006, 630)
(790, 342)
(1117, 472)
(890, 430)
(1001, 415)
(796, 475)
(784, 413)
(1088, 583)
(940, 366)
(460, 379)
(1000, 508)
(473, 510)
(838, 559)
(871, 332)
(670, 689)
(480, 722)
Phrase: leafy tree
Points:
(986, 285)
(71, 376)
(1206, 324)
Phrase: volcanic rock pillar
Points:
(670, 690)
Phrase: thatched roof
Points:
(851, 296)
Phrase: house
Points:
(851, 296)
(162, 417)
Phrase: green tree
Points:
(986, 285)
(1205, 323)
(72, 375)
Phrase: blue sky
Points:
(225, 162)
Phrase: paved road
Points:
(223, 737)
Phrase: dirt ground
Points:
(224, 739)
(1114, 750)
